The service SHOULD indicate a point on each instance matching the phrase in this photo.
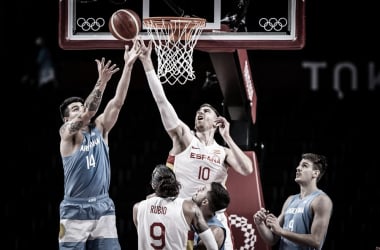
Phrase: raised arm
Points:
(111, 112)
(236, 158)
(92, 102)
(172, 124)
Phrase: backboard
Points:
(231, 24)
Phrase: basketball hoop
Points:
(174, 39)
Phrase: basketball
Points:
(124, 24)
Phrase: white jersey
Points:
(161, 224)
(198, 165)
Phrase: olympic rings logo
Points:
(90, 23)
(273, 23)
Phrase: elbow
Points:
(244, 171)
(248, 170)
(272, 241)
(117, 103)
(317, 244)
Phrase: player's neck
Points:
(207, 214)
(305, 190)
(206, 137)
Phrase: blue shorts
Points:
(88, 223)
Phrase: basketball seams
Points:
(116, 22)
(114, 30)
(136, 22)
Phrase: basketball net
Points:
(174, 39)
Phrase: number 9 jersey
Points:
(161, 224)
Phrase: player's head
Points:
(205, 117)
(319, 163)
(219, 197)
(164, 182)
(68, 104)
(207, 105)
(213, 195)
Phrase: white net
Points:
(174, 40)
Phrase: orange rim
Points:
(179, 22)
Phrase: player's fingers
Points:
(108, 63)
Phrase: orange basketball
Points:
(124, 24)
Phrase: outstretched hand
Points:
(145, 55)
(130, 55)
(105, 70)
(146, 51)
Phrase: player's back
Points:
(162, 224)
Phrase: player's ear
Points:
(204, 202)
(316, 172)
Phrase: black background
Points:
(292, 119)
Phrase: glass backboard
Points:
(230, 24)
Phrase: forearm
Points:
(113, 107)
(301, 239)
(243, 164)
(169, 117)
(208, 239)
(93, 101)
(123, 85)
(266, 234)
(147, 64)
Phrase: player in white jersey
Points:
(304, 218)
(204, 162)
(165, 221)
(196, 157)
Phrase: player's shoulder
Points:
(187, 202)
(189, 206)
(190, 210)
(322, 194)
(323, 199)
(290, 198)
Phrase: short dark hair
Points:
(211, 107)
(319, 162)
(164, 182)
(218, 196)
(63, 107)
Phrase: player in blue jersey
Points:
(305, 217)
(211, 198)
(87, 213)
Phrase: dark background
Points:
(292, 119)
